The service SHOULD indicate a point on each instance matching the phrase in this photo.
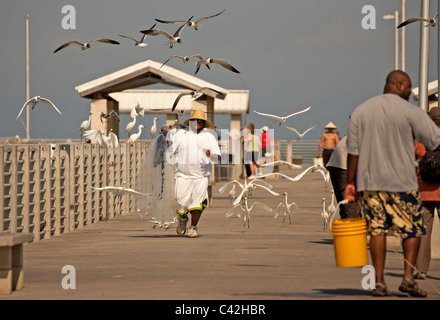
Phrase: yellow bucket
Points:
(350, 242)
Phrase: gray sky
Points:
(291, 54)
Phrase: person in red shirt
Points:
(265, 140)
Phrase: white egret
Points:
(286, 208)
(153, 129)
(34, 101)
(282, 119)
(136, 136)
(85, 124)
(130, 125)
(300, 135)
(245, 212)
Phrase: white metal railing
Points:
(47, 189)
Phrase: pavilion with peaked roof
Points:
(117, 91)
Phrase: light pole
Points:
(403, 35)
(395, 17)
(424, 57)
(28, 136)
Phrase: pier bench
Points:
(11, 260)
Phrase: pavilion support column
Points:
(210, 109)
(99, 106)
(235, 145)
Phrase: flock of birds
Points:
(239, 195)
(108, 140)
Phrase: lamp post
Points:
(28, 136)
(403, 36)
(395, 17)
(424, 57)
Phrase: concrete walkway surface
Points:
(125, 258)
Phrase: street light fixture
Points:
(395, 17)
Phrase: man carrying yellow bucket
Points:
(380, 146)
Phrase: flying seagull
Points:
(282, 119)
(195, 94)
(300, 135)
(85, 45)
(431, 22)
(183, 58)
(175, 38)
(208, 61)
(34, 101)
(193, 24)
(139, 43)
(112, 114)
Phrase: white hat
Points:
(265, 128)
(330, 125)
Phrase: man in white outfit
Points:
(196, 149)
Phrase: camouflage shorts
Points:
(400, 211)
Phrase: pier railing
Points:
(48, 189)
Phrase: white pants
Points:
(191, 194)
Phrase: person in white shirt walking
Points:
(196, 149)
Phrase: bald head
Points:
(398, 82)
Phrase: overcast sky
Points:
(291, 54)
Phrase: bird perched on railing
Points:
(136, 136)
(244, 212)
(153, 129)
(85, 125)
(105, 141)
(130, 125)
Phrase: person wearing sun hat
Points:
(328, 142)
(196, 148)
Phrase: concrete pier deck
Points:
(125, 258)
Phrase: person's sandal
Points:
(412, 288)
(381, 290)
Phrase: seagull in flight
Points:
(208, 61)
(300, 135)
(195, 94)
(193, 24)
(139, 43)
(34, 101)
(85, 45)
(431, 22)
(183, 58)
(282, 119)
(112, 114)
(175, 38)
